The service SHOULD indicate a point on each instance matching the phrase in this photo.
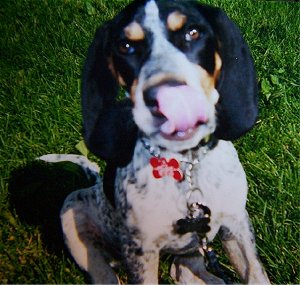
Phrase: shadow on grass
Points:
(37, 192)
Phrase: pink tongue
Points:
(183, 106)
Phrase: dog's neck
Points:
(207, 143)
(178, 165)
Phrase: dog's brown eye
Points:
(192, 34)
(126, 47)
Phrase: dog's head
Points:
(186, 68)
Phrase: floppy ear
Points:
(237, 107)
(108, 127)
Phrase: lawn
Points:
(43, 44)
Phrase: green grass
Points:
(42, 48)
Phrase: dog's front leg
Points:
(190, 269)
(239, 242)
(141, 265)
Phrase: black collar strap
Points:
(209, 141)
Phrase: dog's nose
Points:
(150, 98)
(150, 94)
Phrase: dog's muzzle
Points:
(177, 109)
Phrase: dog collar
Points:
(172, 167)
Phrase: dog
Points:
(173, 180)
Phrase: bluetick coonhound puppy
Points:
(173, 180)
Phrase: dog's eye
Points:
(193, 34)
(125, 47)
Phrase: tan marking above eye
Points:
(134, 32)
(175, 21)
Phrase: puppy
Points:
(173, 180)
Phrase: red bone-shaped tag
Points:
(162, 167)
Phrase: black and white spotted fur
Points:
(129, 216)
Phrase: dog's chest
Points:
(153, 205)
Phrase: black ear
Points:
(108, 127)
(237, 107)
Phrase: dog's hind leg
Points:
(239, 242)
(84, 235)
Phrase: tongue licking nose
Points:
(183, 106)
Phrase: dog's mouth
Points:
(180, 135)
(178, 111)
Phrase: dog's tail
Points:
(37, 191)
(90, 168)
